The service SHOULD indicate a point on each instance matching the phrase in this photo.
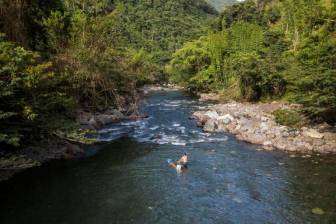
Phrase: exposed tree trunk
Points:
(12, 21)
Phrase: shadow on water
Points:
(60, 192)
(129, 180)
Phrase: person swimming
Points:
(182, 163)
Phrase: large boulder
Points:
(226, 119)
(210, 126)
(212, 114)
(104, 119)
(209, 97)
(221, 127)
(99, 120)
(267, 143)
(312, 133)
(264, 127)
(201, 117)
(254, 138)
(93, 124)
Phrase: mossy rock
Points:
(317, 211)
(78, 135)
(13, 162)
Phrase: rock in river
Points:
(226, 119)
(210, 125)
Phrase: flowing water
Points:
(129, 180)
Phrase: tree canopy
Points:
(267, 50)
(60, 55)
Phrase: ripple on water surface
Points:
(129, 181)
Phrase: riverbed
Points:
(128, 179)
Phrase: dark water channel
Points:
(129, 181)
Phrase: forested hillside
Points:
(57, 56)
(266, 50)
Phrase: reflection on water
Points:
(129, 181)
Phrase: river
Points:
(128, 179)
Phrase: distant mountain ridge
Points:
(220, 4)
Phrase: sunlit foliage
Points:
(269, 50)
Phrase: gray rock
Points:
(104, 119)
(268, 148)
(212, 114)
(93, 123)
(285, 134)
(254, 138)
(209, 97)
(221, 127)
(201, 117)
(267, 143)
(210, 125)
(226, 119)
(264, 119)
(280, 145)
(270, 135)
(312, 133)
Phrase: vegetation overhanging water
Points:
(129, 180)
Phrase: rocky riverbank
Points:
(62, 147)
(255, 123)
(65, 147)
(95, 121)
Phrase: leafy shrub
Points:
(30, 93)
(288, 118)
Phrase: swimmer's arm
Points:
(179, 161)
(173, 165)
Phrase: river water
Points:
(129, 180)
